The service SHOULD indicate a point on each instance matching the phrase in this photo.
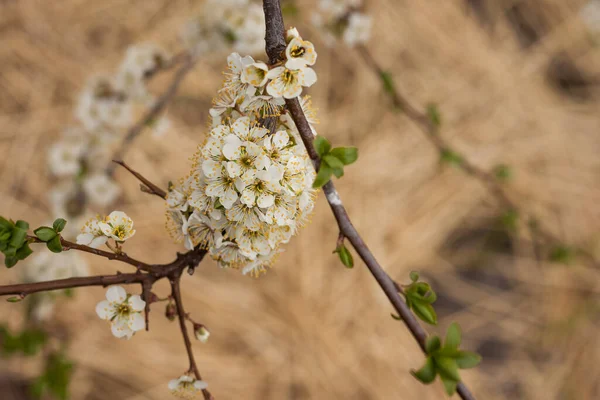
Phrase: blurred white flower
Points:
(101, 190)
(186, 387)
(65, 158)
(123, 310)
(358, 30)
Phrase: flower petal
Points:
(104, 310)
(136, 322)
(136, 303)
(116, 294)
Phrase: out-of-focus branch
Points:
(146, 186)
(153, 112)
(274, 22)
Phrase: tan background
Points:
(311, 329)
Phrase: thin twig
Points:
(147, 186)
(157, 108)
(274, 22)
(176, 294)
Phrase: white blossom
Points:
(358, 30)
(123, 310)
(101, 190)
(65, 158)
(91, 234)
(288, 83)
(186, 387)
(118, 226)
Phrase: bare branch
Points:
(147, 186)
(154, 111)
(274, 22)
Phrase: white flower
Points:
(358, 30)
(224, 188)
(255, 74)
(186, 387)
(259, 266)
(65, 158)
(288, 83)
(590, 13)
(177, 197)
(309, 112)
(233, 78)
(196, 230)
(201, 333)
(101, 190)
(224, 102)
(91, 234)
(118, 226)
(300, 53)
(124, 311)
(263, 105)
(251, 242)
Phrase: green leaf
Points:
(562, 254)
(45, 234)
(345, 256)
(414, 276)
(434, 116)
(453, 337)
(448, 156)
(432, 344)
(503, 172)
(388, 82)
(322, 145)
(510, 220)
(424, 311)
(59, 224)
(54, 245)
(338, 172)
(449, 384)
(396, 317)
(333, 162)
(22, 224)
(467, 359)
(18, 237)
(11, 261)
(24, 252)
(427, 373)
(14, 299)
(323, 176)
(347, 155)
(447, 366)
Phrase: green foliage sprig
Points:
(333, 160)
(419, 298)
(51, 236)
(13, 241)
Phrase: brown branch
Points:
(488, 179)
(153, 112)
(176, 294)
(146, 186)
(274, 22)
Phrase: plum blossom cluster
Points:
(105, 109)
(226, 25)
(250, 188)
(342, 19)
(98, 230)
(123, 311)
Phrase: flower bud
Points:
(201, 333)
(171, 311)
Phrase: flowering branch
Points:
(429, 125)
(157, 108)
(274, 47)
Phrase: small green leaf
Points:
(453, 337)
(338, 172)
(323, 176)
(347, 155)
(59, 224)
(388, 82)
(14, 299)
(24, 252)
(414, 276)
(396, 317)
(345, 256)
(11, 261)
(18, 237)
(427, 373)
(432, 344)
(449, 384)
(448, 367)
(45, 234)
(434, 116)
(424, 311)
(322, 145)
(448, 156)
(54, 245)
(467, 359)
(22, 224)
(562, 254)
(333, 162)
(503, 172)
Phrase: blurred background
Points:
(516, 82)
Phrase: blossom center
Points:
(287, 76)
(123, 310)
(119, 231)
(297, 51)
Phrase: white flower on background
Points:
(101, 190)
(299, 53)
(224, 102)
(201, 333)
(255, 74)
(65, 158)
(233, 78)
(160, 127)
(186, 387)
(118, 226)
(358, 30)
(309, 112)
(91, 234)
(123, 310)
(288, 83)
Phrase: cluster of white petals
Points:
(123, 310)
(225, 26)
(342, 19)
(250, 188)
(186, 387)
(105, 110)
(96, 231)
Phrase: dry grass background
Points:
(515, 81)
